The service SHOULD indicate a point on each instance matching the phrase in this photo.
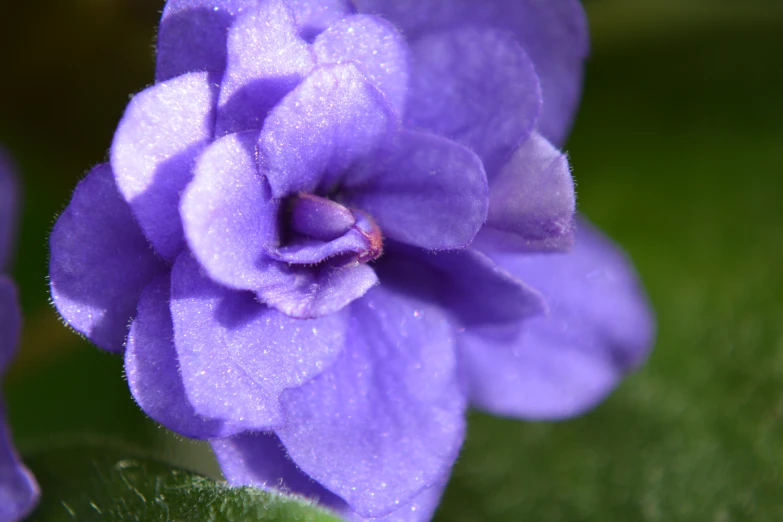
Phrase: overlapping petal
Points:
(152, 368)
(331, 121)
(386, 421)
(314, 16)
(475, 85)
(237, 355)
(422, 190)
(376, 48)
(9, 207)
(554, 33)
(598, 328)
(100, 261)
(164, 129)
(531, 201)
(266, 59)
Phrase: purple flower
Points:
(18, 489)
(330, 234)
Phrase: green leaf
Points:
(102, 482)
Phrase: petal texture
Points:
(228, 213)
(100, 261)
(599, 328)
(152, 368)
(422, 190)
(266, 59)
(192, 35)
(476, 86)
(237, 355)
(332, 120)
(532, 201)
(9, 208)
(387, 420)
(163, 130)
(376, 48)
(554, 33)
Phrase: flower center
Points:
(321, 219)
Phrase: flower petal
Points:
(164, 129)
(376, 48)
(333, 119)
(476, 86)
(192, 35)
(554, 33)
(599, 328)
(423, 190)
(228, 214)
(153, 372)
(387, 420)
(9, 207)
(10, 322)
(237, 355)
(260, 460)
(314, 16)
(532, 201)
(100, 261)
(266, 59)
(18, 490)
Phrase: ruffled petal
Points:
(260, 460)
(476, 86)
(18, 490)
(554, 33)
(237, 355)
(599, 327)
(152, 368)
(376, 48)
(422, 190)
(306, 292)
(387, 420)
(228, 213)
(266, 59)
(9, 207)
(192, 35)
(164, 129)
(531, 201)
(10, 322)
(100, 261)
(332, 120)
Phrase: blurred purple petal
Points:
(152, 368)
(19, 492)
(328, 123)
(423, 190)
(100, 261)
(10, 322)
(387, 420)
(553, 32)
(266, 59)
(476, 86)
(375, 47)
(237, 355)
(164, 129)
(599, 328)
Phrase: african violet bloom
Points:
(331, 231)
(18, 489)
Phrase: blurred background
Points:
(678, 155)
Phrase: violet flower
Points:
(18, 489)
(328, 235)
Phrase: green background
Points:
(678, 155)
